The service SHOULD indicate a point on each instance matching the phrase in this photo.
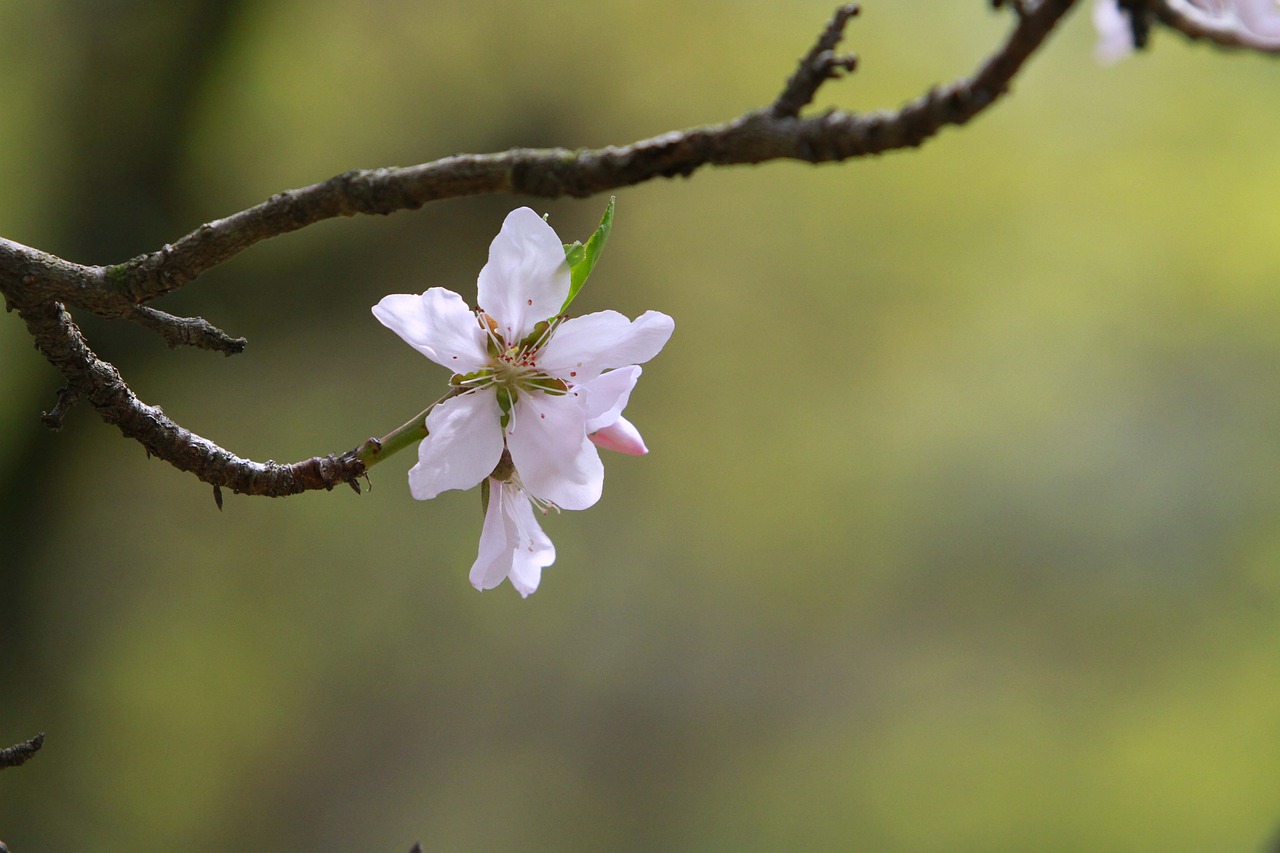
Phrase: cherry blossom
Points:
(534, 394)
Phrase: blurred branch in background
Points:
(40, 286)
(21, 753)
(16, 755)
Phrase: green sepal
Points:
(549, 384)
(484, 496)
(462, 379)
(535, 337)
(582, 259)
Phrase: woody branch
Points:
(42, 287)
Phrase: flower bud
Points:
(621, 437)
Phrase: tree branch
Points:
(41, 286)
(36, 276)
(100, 384)
(755, 137)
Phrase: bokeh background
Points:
(960, 526)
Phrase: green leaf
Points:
(582, 259)
(574, 253)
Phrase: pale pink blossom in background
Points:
(1115, 35)
(1255, 22)
(1260, 18)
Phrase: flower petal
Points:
(437, 324)
(621, 436)
(462, 447)
(512, 543)
(607, 396)
(547, 437)
(527, 276)
(493, 561)
(583, 347)
(533, 551)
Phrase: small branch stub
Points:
(818, 66)
(21, 753)
(1139, 13)
(67, 397)
(1019, 6)
(187, 331)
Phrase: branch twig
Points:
(42, 286)
(818, 66)
(186, 331)
(755, 137)
(100, 384)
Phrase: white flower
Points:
(536, 394)
(512, 544)
(532, 379)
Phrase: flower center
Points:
(513, 368)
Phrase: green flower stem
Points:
(374, 450)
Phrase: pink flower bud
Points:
(621, 437)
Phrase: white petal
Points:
(462, 447)
(512, 543)
(437, 324)
(533, 551)
(493, 562)
(583, 347)
(527, 276)
(621, 436)
(607, 396)
(547, 437)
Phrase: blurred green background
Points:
(959, 530)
